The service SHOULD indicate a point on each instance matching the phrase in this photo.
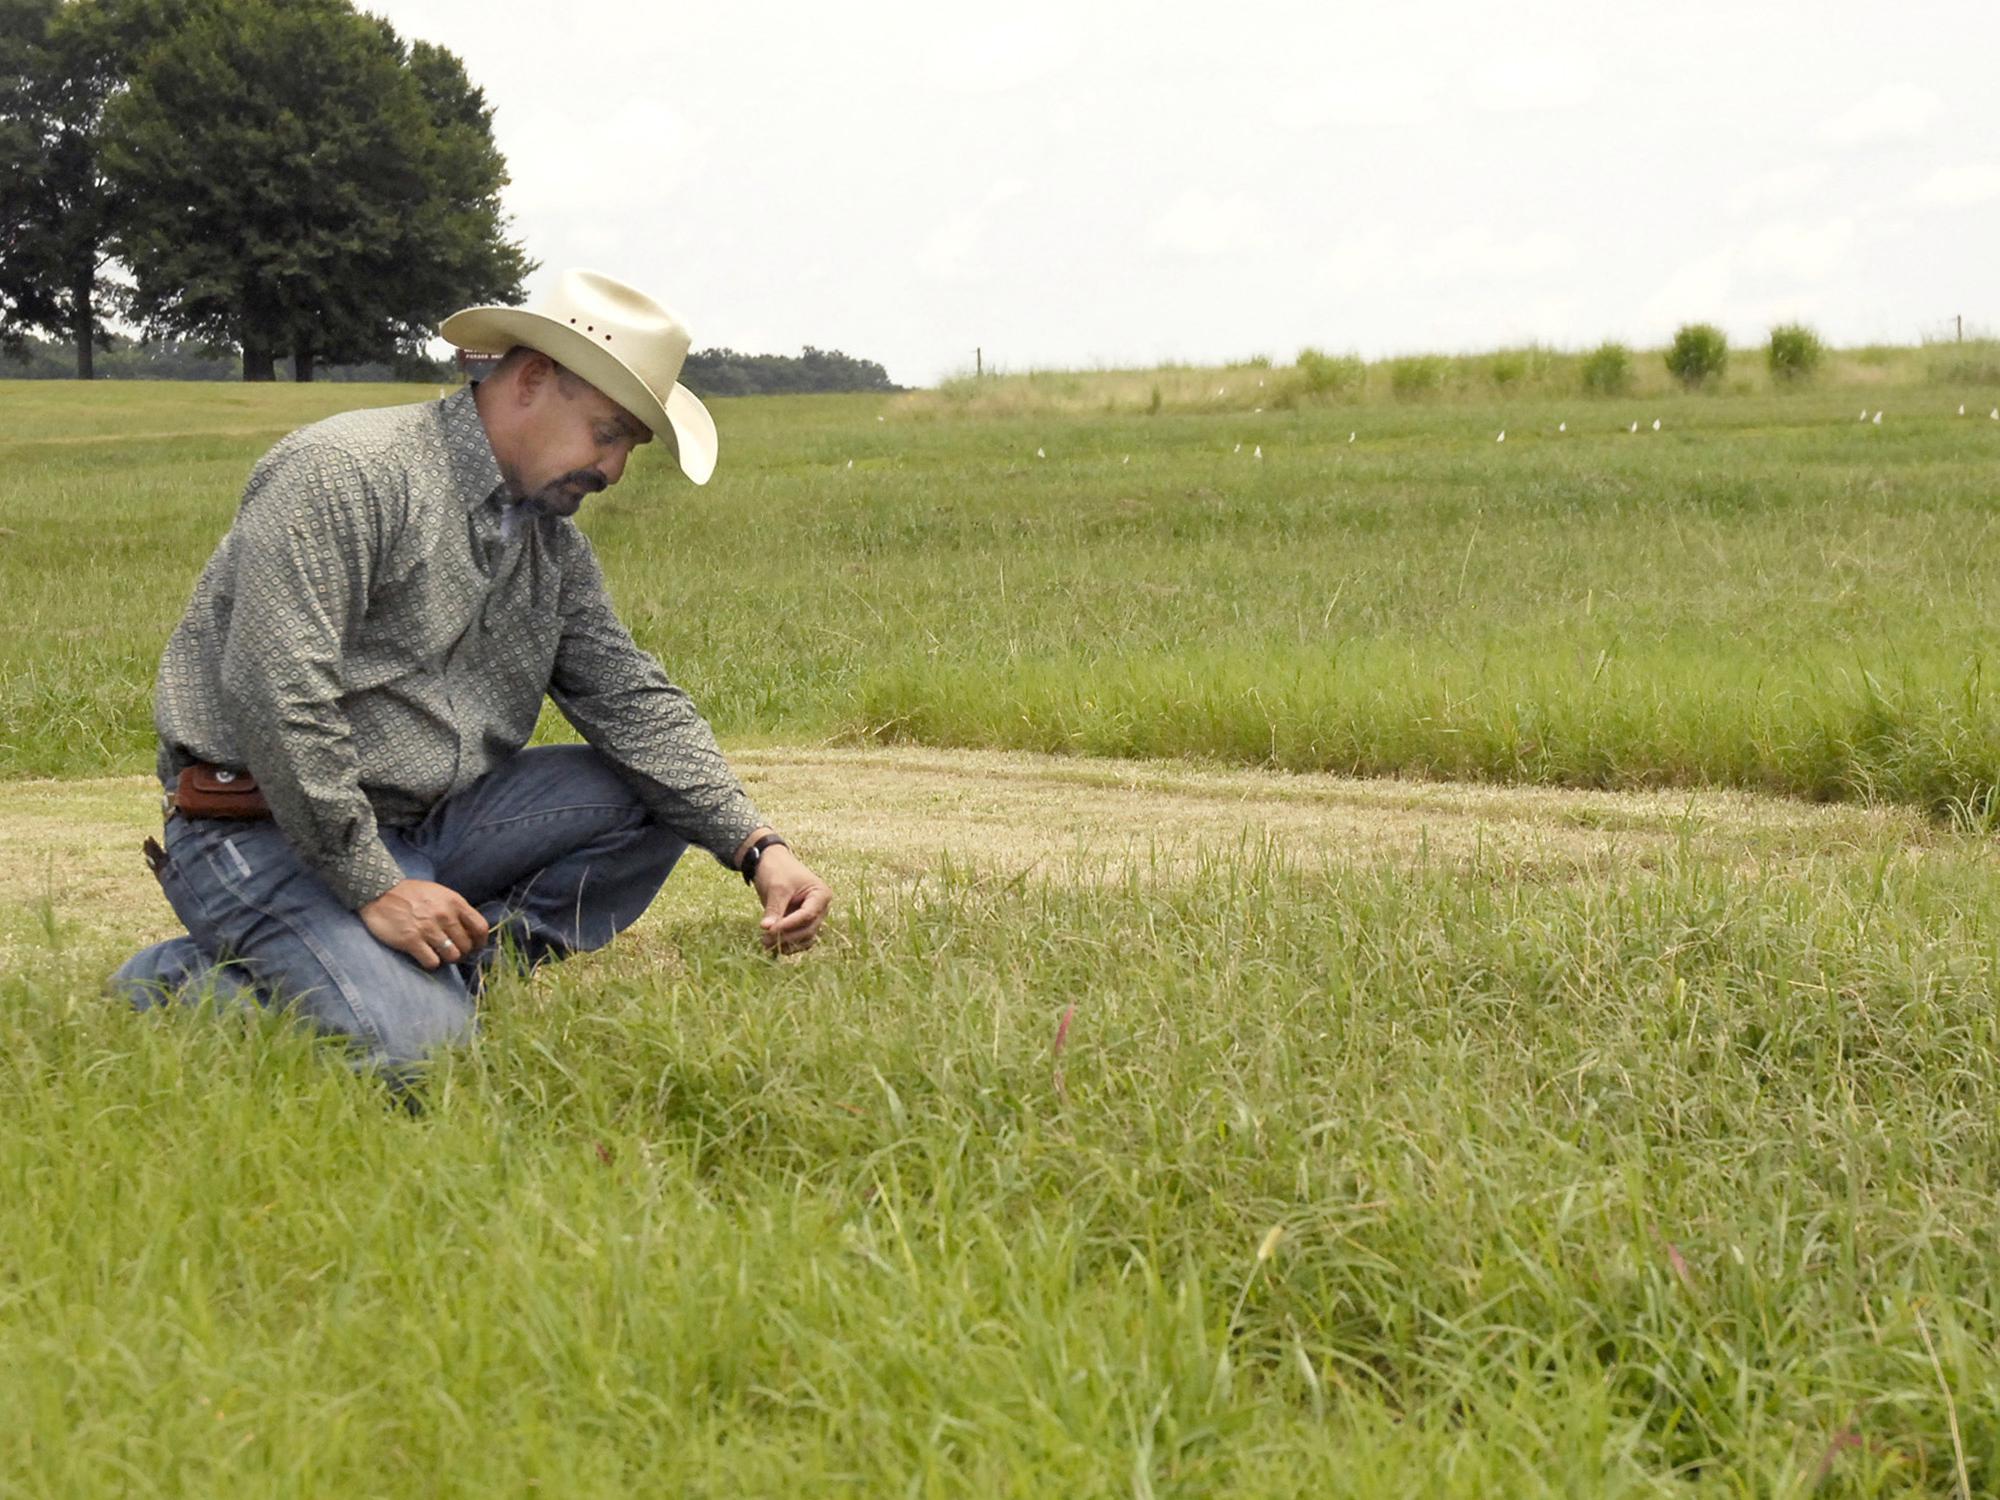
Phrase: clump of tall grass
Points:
(1607, 370)
(1416, 376)
(1972, 362)
(1331, 374)
(1698, 355)
(1530, 366)
(1795, 354)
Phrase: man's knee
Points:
(381, 1003)
(610, 838)
(407, 1023)
(180, 971)
(155, 975)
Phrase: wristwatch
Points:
(754, 856)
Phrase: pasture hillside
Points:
(1530, 371)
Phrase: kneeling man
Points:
(355, 826)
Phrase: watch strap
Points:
(754, 856)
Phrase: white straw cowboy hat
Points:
(615, 338)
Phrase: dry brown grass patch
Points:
(69, 849)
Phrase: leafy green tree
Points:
(303, 183)
(455, 250)
(61, 63)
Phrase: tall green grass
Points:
(1668, 1183)
(1647, 719)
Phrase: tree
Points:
(454, 251)
(301, 182)
(60, 66)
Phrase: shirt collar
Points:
(474, 469)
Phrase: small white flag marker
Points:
(1961, 408)
(1503, 436)
(850, 463)
(1237, 449)
(1562, 427)
(1635, 426)
(1126, 459)
(1656, 424)
(1878, 419)
(1350, 437)
(1258, 451)
(1040, 454)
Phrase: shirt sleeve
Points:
(620, 700)
(304, 549)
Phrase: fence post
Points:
(978, 363)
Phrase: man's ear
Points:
(532, 376)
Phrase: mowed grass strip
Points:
(1765, 593)
(1272, 1169)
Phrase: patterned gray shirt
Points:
(378, 630)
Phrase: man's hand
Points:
(430, 922)
(795, 901)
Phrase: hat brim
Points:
(679, 420)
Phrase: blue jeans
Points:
(554, 848)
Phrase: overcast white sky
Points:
(1115, 183)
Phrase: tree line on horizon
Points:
(725, 372)
(708, 372)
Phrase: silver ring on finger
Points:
(448, 948)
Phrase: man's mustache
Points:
(588, 480)
(561, 496)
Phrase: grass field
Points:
(1192, 1124)
(1763, 593)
